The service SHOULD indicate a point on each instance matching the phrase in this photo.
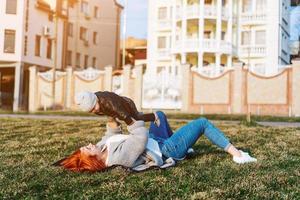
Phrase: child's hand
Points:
(113, 122)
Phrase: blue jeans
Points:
(176, 145)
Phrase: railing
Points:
(164, 24)
(253, 51)
(192, 11)
(210, 11)
(208, 45)
(225, 13)
(210, 71)
(164, 54)
(254, 18)
(226, 46)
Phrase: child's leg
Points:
(149, 117)
(163, 130)
(184, 138)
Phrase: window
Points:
(260, 37)
(224, 2)
(9, 41)
(162, 13)
(223, 35)
(207, 34)
(161, 42)
(84, 7)
(11, 6)
(77, 59)
(95, 38)
(246, 37)
(49, 48)
(38, 45)
(69, 58)
(247, 5)
(86, 61)
(96, 12)
(94, 62)
(70, 29)
(83, 33)
(160, 69)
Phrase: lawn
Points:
(28, 147)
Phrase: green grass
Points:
(29, 147)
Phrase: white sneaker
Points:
(157, 121)
(245, 158)
(190, 151)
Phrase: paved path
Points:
(29, 116)
(281, 124)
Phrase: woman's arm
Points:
(127, 152)
(112, 128)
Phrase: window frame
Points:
(14, 10)
(95, 37)
(6, 45)
(86, 61)
(83, 33)
(70, 29)
(158, 42)
(78, 59)
(37, 45)
(160, 15)
(49, 48)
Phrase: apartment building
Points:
(94, 34)
(48, 33)
(27, 34)
(212, 34)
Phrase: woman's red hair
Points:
(79, 162)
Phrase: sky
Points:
(136, 18)
(295, 23)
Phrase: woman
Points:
(142, 149)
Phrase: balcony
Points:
(193, 11)
(164, 24)
(208, 45)
(164, 54)
(210, 11)
(253, 51)
(225, 13)
(253, 18)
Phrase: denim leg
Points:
(177, 145)
(163, 130)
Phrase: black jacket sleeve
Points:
(121, 113)
(113, 105)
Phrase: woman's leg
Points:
(177, 145)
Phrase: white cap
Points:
(86, 100)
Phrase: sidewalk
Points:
(28, 116)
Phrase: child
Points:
(112, 105)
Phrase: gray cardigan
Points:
(131, 151)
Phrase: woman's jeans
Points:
(176, 145)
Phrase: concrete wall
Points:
(238, 91)
(68, 83)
